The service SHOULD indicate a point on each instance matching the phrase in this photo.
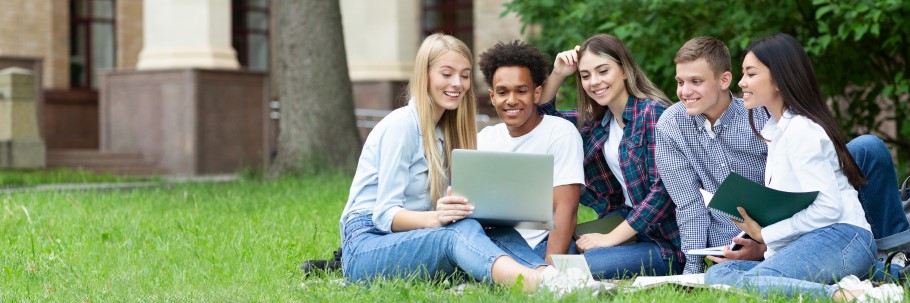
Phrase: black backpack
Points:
(905, 197)
(311, 266)
(894, 245)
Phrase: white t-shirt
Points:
(554, 136)
(611, 154)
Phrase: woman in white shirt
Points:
(829, 240)
(390, 226)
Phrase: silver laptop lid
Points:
(506, 188)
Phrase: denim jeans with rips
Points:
(428, 252)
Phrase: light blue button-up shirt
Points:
(392, 173)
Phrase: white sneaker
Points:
(851, 282)
(883, 293)
(571, 280)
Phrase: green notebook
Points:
(602, 226)
(765, 205)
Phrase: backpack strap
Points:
(898, 241)
(905, 190)
(337, 254)
(903, 275)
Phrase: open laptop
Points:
(506, 188)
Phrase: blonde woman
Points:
(391, 226)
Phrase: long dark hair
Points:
(637, 83)
(794, 76)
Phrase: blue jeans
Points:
(510, 241)
(879, 197)
(541, 248)
(627, 260)
(623, 261)
(805, 266)
(429, 252)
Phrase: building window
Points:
(452, 17)
(92, 41)
(250, 33)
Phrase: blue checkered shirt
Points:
(689, 158)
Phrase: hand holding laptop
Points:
(452, 208)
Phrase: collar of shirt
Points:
(735, 108)
(412, 107)
(709, 129)
(774, 128)
(627, 113)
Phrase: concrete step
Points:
(93, 162)
(103, 162)
(90, 154)
(121, 171)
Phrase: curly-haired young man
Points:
(515, 72)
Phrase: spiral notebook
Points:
(765, 205)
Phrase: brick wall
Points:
(129, 33)
(27, 30)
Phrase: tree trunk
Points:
(317, 127)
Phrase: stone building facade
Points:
(76, 46)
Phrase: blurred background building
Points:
(185, 86)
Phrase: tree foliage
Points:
(859, 48)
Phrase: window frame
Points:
(240, 34)
(77, 21)
(448, 11)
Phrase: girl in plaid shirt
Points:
(619, 110)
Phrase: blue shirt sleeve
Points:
(682, 184)
(395, 153)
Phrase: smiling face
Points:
(449, 79)
(515, 97)
(700, 90)
(602, 78)
(758, 87)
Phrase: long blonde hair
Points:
(458, 128)
(637, 84)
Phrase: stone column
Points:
(490, 28)
(187, 34)
(21, 145)
(380, 51)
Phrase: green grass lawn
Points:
(235, 242)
